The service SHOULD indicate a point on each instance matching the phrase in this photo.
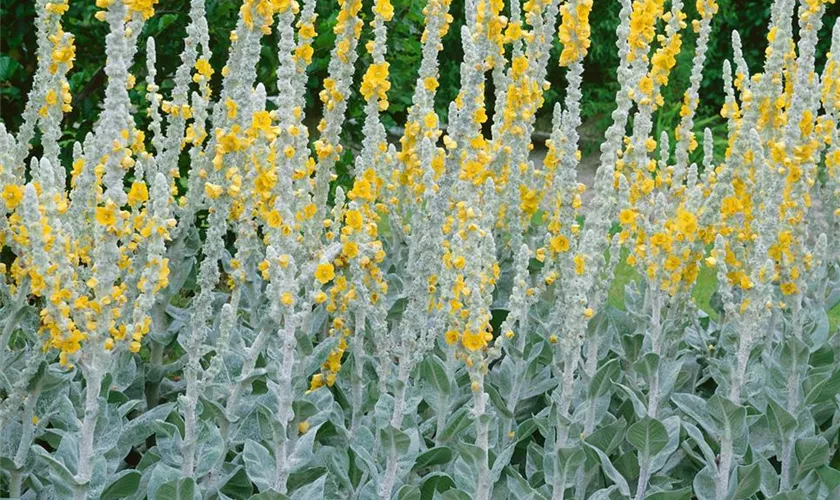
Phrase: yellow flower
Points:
(353, 219)
(107, 215)
(580, 263)
(325, 273)
(145, 7)
(375, 81)
(627, 217)
(303, 427)
(287, 299)
(134, 346)
(203, 67)
(12, 195)
(473, 341)
(320, 297)
(452, 337)
(213, 191)
(559, 244)
(274, 219)
(138, 193)
(384, 9)
(789, 288)
(350, 250)
(686, 222)
(230, 104)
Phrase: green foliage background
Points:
(87, 80)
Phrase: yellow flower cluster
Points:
(375, 84)
(574, 31)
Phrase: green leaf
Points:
(56, 466)
(180, 489)
(824, 390)
(165, 21)
(648, 436)
(648, 365)
(393, 438)
(829, 476)
(607, 374)
(749, 481)
(436, 456)
(435, 482)
(639, 407)
(125, 484)
(434, 372)
(470, 454)
(209, 450)
(608, 437)
(705, 483)
(498, 403)
(259, 464)
(610, 471)
(695, 407)
(409, 492)
(269, 495)
(456, 423)
(811, 452)
(8, 68)
(682, 494)
(312, 490)
(728, 413)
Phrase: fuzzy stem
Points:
(284, 416)
(152, 389)
(281, 474)
(396, 422)
(189, 442)
(793, 394)
(8, 328)
(443, 402)
(15, 483)
(561, 432)
(358, 372)
(94, 383)
(725, 463)
(26, 438)
(482, 430)
(644, 475)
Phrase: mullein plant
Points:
(440, 327)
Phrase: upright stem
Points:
(94, 386)
(644, 476)
(26, 437)
(359, 369)
(284, 416)
(387, 485)
(482, 431)
(562, 430)
(8, 328)
(725, 462)
(152, 389)
(656, 347)
(443, 402)
(518, 376)
(189, 442)
(793, 394)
